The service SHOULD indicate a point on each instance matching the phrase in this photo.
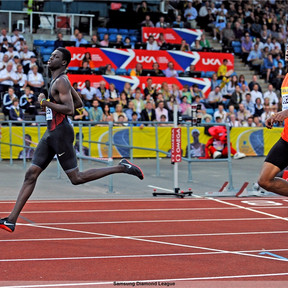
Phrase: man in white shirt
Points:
(151, 44)
(273, 99)
(88, 93)
(255, 93)
(160, 110)
(11, 53)
(7, 78)
(15, 38)
(220, 113)
(4, 35)
(25, 55)
(35, 80)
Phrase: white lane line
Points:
(150, 221)
(150, 280)
(147, 236)
(159, 242)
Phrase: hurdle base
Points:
(177, 194)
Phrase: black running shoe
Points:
(132, 169)
(7, 225)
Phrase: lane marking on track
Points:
(272, 254)
(151, 280)
(150, 221)
(148, 236)
(158, 242)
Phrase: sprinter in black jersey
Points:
(58, 139)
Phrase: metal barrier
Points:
(111, 143)
(47, 14)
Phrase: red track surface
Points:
(177, 242)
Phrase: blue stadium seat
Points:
(123, 31)
(102, 30)
(209, 74)
(133, 32)
(101, 36)
(49, 43)
(202, 74)
(112, 30)
(46, 50)
(121, 71)
(113, 37)
(45, 57)
(38, 42)
(73, 68)
(236, 45)
(210, 111)
(133, 38)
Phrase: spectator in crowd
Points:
(165, 91)
(236, 97)
(107, 116)
(258, 108)
(148, 113)
(21, 80)
(147, 22)
(74, 36)
(59, 42)
(205, 44)
(138, 101)
(123, 101)
(127, 43)
(196, 91)
(25, 57)
(185, 107)
(85, 69)
(249, 104)
(80, 40)
(195, 46)
(35, 80)
(135, 119)
(28, 102)
(113, 95)
(130, 110)
(128, 92)
(246, 46)
(138, 71)
(156, 71)
(150, 88)
(255, 58)
(105, 41)
(88, 58)
(214, 98)
(250, 122)
(4, 35)
(119, 41)
(220, 25)
(27, 151)
(254, 81)
(266, 114)
(178, 23)
(228, 34)
(257, 121)
(255, 93)
(233, 121)
(161, 43)
(11, 52)
(7, 101)
(102, 94)
(88, 93)
(95, 41)
(277, 78)
(16, 39)
(223, 70)
(95, 113)
(5, 45)
(142, 9)
(109, 70)
(190, 14)
(7, 77)
(118, 112)
(15, 112)
(267, 67)
(238, 31)
(243, 114)
(170, 71)
(220, 112)
(151, 43)
(161, 110)
(203, 15)
(161, 23)
(271, 95)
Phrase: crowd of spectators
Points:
(20, 80)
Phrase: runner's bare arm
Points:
(76, 98)
(64, 91)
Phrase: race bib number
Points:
(49, 114)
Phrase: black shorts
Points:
(59, 142)
(278, 155)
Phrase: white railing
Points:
(48, 14)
